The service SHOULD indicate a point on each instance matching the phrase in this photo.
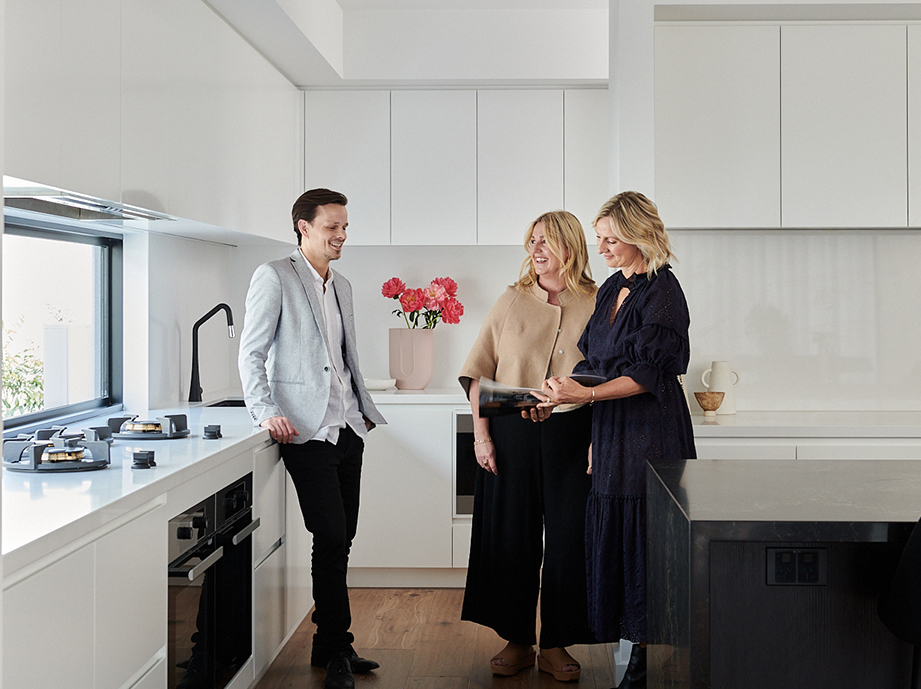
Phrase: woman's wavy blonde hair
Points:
(564, 234)
(635, 220)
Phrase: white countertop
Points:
(454, 395)
(38, 504)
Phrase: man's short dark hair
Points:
(305, 208)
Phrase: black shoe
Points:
(339, 673)
(360, 666)
(635, 676)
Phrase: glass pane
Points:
(52, 324)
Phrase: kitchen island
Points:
(767, 573)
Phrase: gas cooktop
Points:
(51, 449)
(161, 428)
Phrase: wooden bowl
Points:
(709, 401)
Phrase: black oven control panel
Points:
(234, 501)
(191, 528)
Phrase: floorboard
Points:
(421, 643)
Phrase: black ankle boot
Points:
(635, 676)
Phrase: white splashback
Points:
(812, 320)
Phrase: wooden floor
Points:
(421, 643)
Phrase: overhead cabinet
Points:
(586, 149)
(519, 161)
(457, 167)
(914, 119)
(347, 149)
(433, 167)
(717, 131)
(794, 125)
(844, 120)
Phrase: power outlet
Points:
(797, 566)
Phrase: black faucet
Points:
(195, 385)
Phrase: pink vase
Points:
(411, 357)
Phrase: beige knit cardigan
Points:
(525, 339)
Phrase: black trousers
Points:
(327, 478)
(537, 497)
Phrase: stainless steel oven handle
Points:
(245, 532)
(194, 572)
(206, 563)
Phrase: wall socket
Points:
(797, 566)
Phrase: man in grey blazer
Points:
(299, 367)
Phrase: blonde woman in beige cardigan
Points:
(529, 503)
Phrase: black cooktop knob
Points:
(184, 533)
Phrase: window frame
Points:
(37, 225)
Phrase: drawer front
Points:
(758, 448)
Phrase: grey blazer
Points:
(284, 356)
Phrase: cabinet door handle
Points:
(245, 532)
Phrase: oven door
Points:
(233, 576)
(192, 603)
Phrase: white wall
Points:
(800, 315)
(169, 284)
(477, 45)
(811, 320)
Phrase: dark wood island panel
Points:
(767, 573)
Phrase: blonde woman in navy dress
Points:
(637, 339)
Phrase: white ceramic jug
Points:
(718, 378)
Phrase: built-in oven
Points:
(210, 589)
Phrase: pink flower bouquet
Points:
(423, 308)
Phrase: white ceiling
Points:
(322, 43)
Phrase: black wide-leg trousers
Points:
(532, 514)
(327, 478)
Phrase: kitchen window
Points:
(61, 320)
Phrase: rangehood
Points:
(41, 198)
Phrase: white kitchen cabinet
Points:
(131, 585)
(269, 605)
(586, 137)
(156, 104)
(753, 448)
(347, 149)
(268, 500)
(298, 546)
(62, 79)
(859, 448)
(844, 125)
(406, 516)
(48, 635)
(209, 128)
(461, 533)
(914, 125)
(433, 167)
(519, 161)
(101, 608)
(717, 126)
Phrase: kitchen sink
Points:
(231, 402)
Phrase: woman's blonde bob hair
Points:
(635, 220)
(566, 241)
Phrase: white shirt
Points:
(343, 405)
